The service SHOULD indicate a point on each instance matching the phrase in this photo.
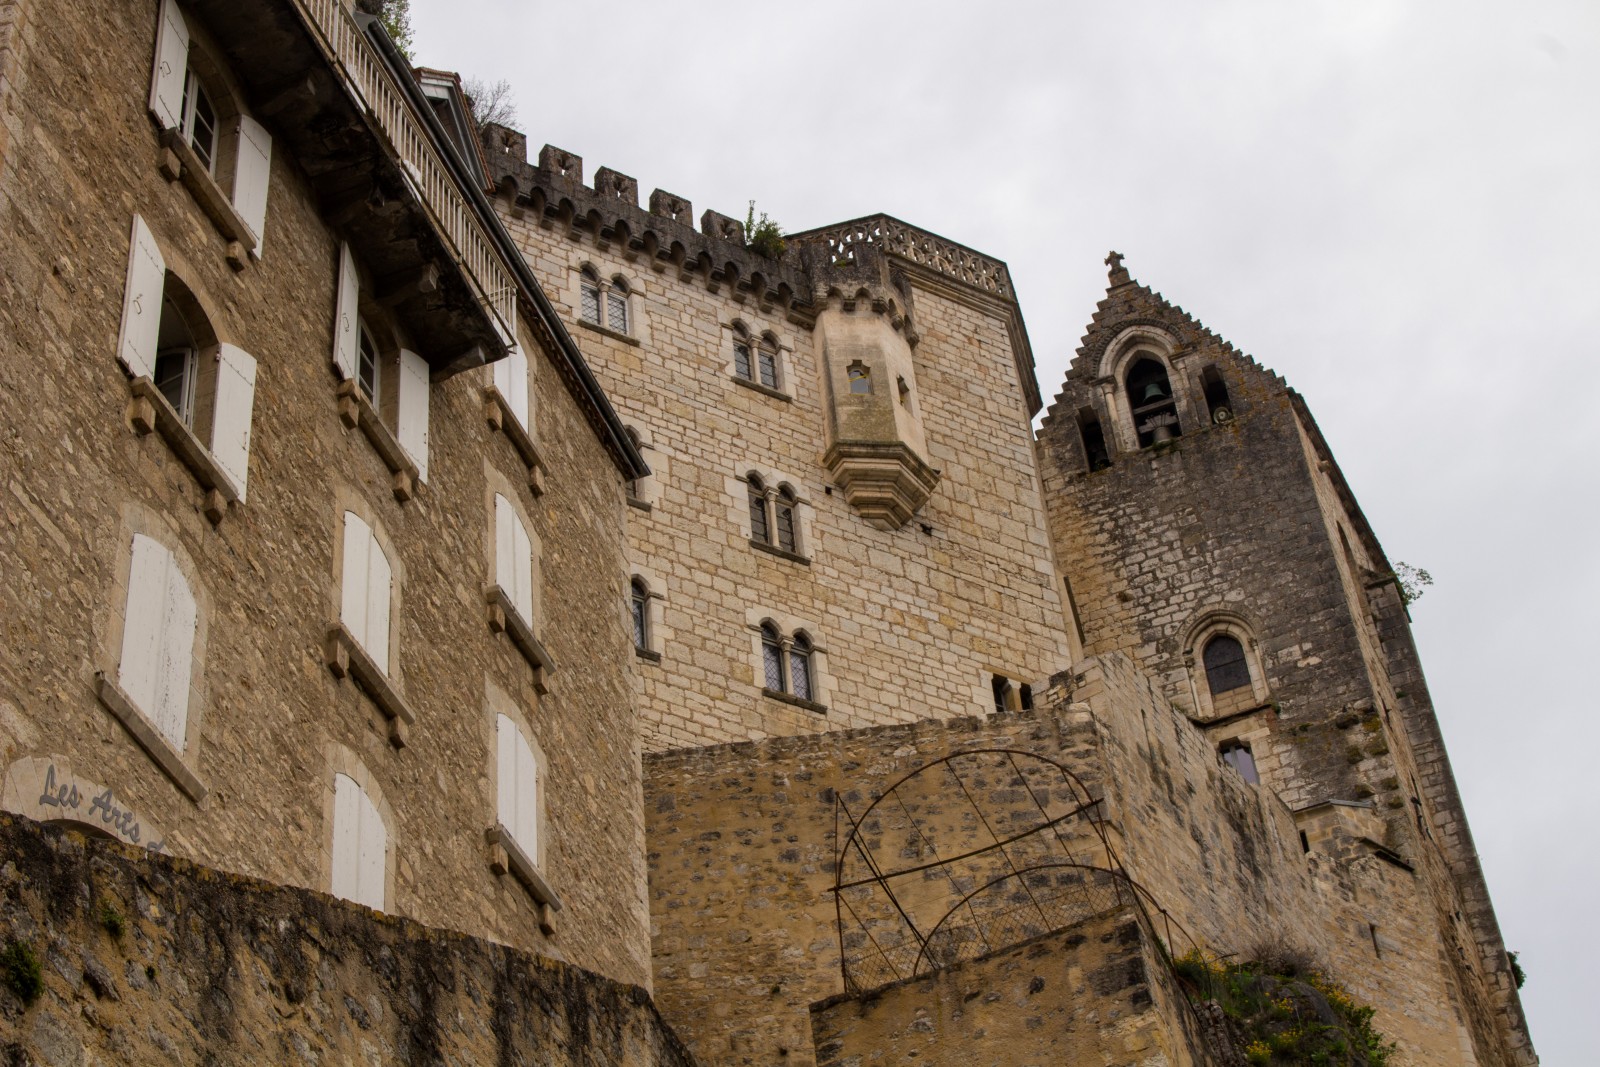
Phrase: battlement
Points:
(944, 257)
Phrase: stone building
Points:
(674, 637)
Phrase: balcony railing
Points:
(350, 51)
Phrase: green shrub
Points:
(21, 972)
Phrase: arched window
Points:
(1216, 391)
(742, 365)
(800, 666)
(772, 657)
(1227, 668)
(767, 361)
(360, 846)
(641, 615)
(859, 375)
(589, 297)
(788, 538)
(617, 305)
(1150, 399)
(760, 528)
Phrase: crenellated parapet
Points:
(662, 236)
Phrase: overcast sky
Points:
(1396, 206)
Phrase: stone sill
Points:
(647, 654)
(505, 618)
(346, 658)
(606, 331)
(1231, 717)
(356, 410)
(642, 505)
(799, 702)
(781, 553)
(499, 416)
(505, 855)
(179, 162)
(168, 758)
(151, 412)
(764, 390)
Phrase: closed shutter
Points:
(513, 558)
(372, 857)
(511, 381)
(250, 177)
(347, 316)
(353, 591)
(170, 715)
(506, 738)
(413, 406)
(172, 65)
(527, 831)
(379, 578)
(139, 672)
(141, 302)
(230, 418)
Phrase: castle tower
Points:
(1208, 532)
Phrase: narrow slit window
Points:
(589, 298)
(800, 667)
(641, 615)
(617, 306)
(767, 358)
(741, 357)
(1095, 453)
(787, 538)
(1216, 392)
(760, 529)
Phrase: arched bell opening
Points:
(1150, 399)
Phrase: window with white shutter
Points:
(347, 317)
(517, 777)
(412, 406)
(365, 590)
(158, 631)
(141, 303)
(513, 558)
(250, 177)
(360, 845)
(511, 382)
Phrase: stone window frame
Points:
(739, 331)
(645, 493)
(337, 760)
(787, 628)
(180, 764)
(1130, 345)
(343, 654)
(505, 856)
(774, 483)
(1209, 624)
(655, 622)
(608, 283)
(233, 190)
(213, 438)
(1019, 695)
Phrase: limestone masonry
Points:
(460, 609)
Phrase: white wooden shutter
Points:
(513, 558)
(346, 319)
(139, 672)
(413, 408)
(511, 381)
(230, 417)
(353, 591)
(141, 303)
(506, 738)
(379, 577)
(250, 177)
(371, 860)
(172, 65)
(527, 831)
(170, 715)
(346, 845)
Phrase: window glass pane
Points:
(367, 369)
(591, 303)
(640, 606)
(741, 361)
(772, 661)
(174, 376)
(786, 538)
(617, 312)
(1226, 667)
(769, 368)
(759, 530)
(800, 670)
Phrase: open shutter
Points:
(413, 397)
(522, 569)
(347, 799)
(527, 831)
(378, 581)
(346, 320)
(250, 177)
(504, 546)
(230, 418)
(372, 855)
(172, 66)
(175, 665)
(353, 593)
(139, 672)
(511, 381)
(506, 738)
(141, 303)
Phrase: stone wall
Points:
(912, 623)
(271, 724)
(1097, 994)
(148, 959)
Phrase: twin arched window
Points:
(755, 361)
(604, 303)
(787, 663)
(774, 520)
